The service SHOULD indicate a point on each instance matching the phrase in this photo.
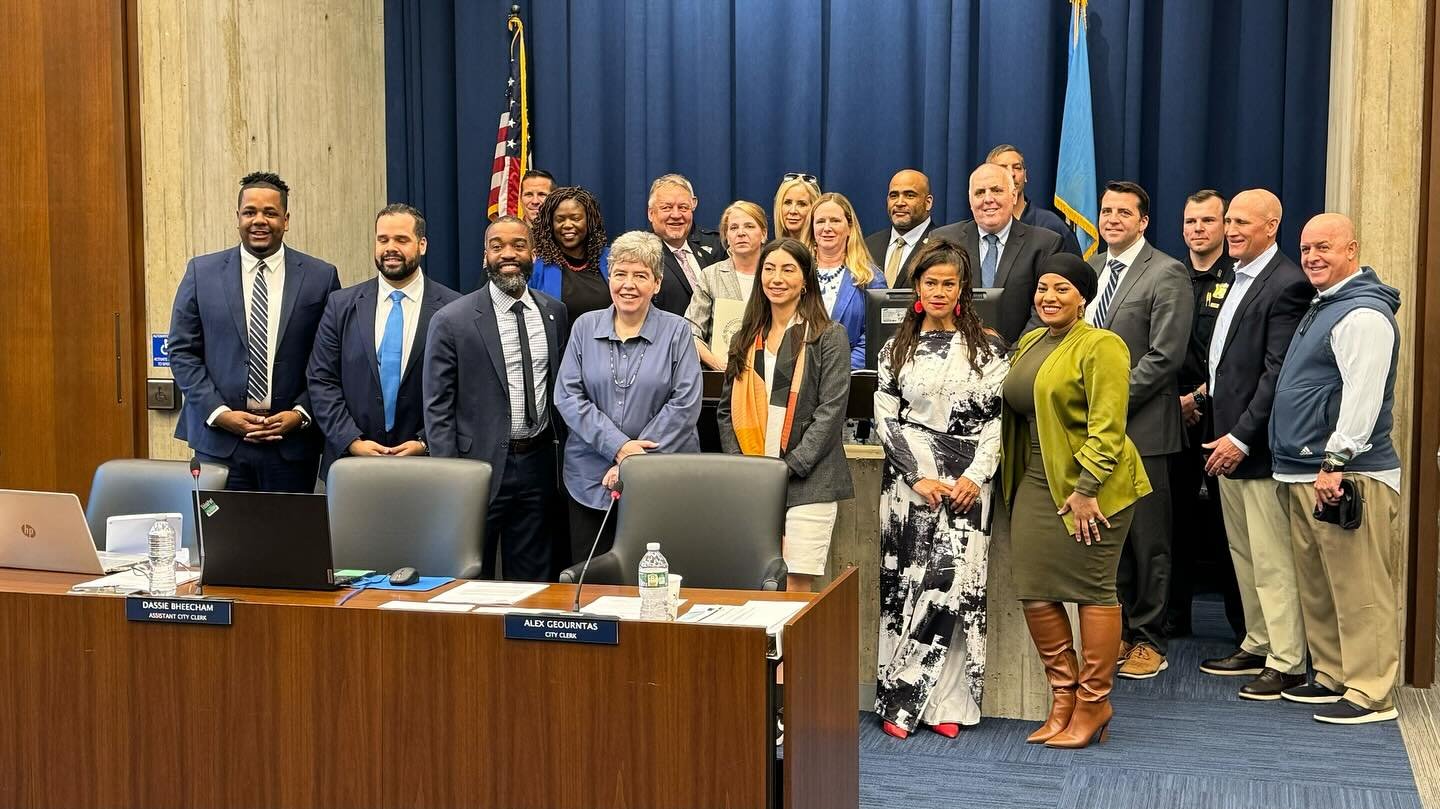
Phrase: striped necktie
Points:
(1103, 310)
(257, 381)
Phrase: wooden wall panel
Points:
(67, 355)
(229, 88)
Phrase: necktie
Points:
(257, 375)
(389, 356)
(892, 266)
(989, 261)
(532, 417)
(1109, 294)
(687, 264)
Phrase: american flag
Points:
(512, 138)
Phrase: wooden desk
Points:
(303, 703)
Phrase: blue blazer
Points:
(546, 276)
(849, 312)
(209, 345)
(344, 372)
(467, 393)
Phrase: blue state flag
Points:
(1075, 174)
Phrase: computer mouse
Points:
(404, 576)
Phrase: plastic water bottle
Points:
(162, 559)
(654, 584)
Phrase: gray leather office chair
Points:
(718, 518)
(139, 486)
(420, 512)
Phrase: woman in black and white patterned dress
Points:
(937, 409)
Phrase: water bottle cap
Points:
(652, 546)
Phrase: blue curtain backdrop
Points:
(734, 93)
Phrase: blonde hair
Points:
(811, 188)
(857, 256)
(751, 210)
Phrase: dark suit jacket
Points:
(879, 243)
(1019, 266)
(1152, 311)
(209, 346)
(1255, 346)
(467, 394)
(675, 290)
(345, 373)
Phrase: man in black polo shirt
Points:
(1199, 531)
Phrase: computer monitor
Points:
(266, 539)
(885, 308)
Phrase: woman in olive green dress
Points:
(1070, 478)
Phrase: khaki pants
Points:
(1258, 529)
(1348, 594)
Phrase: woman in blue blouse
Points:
(844, 266)
(629, 383)
(570, 255)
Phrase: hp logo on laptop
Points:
(28, 530)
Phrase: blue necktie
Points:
(389, 357)
(989, 261)
(1103, 310)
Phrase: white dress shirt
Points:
(414, 293)
(830, 280)
(911, 238)
(514, 367)
(1003, 235)
(274, 296)
(1127, 258)
(1363, 342)
(1245, 276)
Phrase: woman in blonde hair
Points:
(844, 266)
(793, 199)
(743, 233)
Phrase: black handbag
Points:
(1348, 512)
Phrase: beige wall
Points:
(232, 87)
(1373, 175)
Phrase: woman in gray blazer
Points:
(742, 232)
(786, 386)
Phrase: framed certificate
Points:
(725, 317)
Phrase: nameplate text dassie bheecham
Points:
(167, 610)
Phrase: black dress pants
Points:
(1143, 579)
(1201, 552)
(517, 522)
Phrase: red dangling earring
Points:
(958, 309)
(919, 308)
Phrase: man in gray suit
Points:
(1003, 252)
(1145, 297)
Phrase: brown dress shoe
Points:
(1050, 630)
(1100, 629)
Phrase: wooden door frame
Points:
(135, 186)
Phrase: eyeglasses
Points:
(804, 178)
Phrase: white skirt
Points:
(808, 530)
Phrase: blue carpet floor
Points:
(1182, 740)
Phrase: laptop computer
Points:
(47, 531)
(265, 539)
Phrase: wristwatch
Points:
(1332, 465)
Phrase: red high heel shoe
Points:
(947, 729)
(895, 730)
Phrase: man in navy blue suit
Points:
(240, 335)
(490, 365)
(366, 367)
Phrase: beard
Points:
(511, 283)
(405, 270)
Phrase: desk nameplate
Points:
(168, 610)
(563, 628)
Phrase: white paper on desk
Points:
(489, 592)
(128, 582)
(502, 610)
(770, 615)
(426, 606)
(626, 608)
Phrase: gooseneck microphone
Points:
(199, 527)
(580, 585)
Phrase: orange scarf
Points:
(749, 406)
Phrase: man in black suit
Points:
(1144, 296)
(1200, 550)
(1003, 252)
(1026, 210)
(241, 331)
(365, 370)
(688, 249)
(1261, 311)
(490, 365)
(908, 204)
